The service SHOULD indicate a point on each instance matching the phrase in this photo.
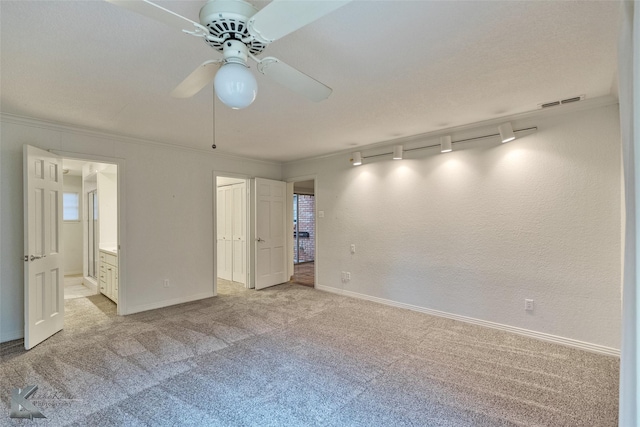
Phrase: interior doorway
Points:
(90, 229)
(304, 232)
(55, 241)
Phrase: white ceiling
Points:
(397, 68)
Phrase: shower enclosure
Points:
(92, 234)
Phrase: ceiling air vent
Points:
(574, 99)
(550, 104)
(561, 102)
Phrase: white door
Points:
(270, 259)
(43, 267)
(239, 233)
(224, 229)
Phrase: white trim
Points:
(587, 104)
(249, 236)
(168, 303)
(72, 273)
(90, 283)
(562, 109)
(301, 178)
(79, 130)
(11, 336)
(595, 348)
(122, 240)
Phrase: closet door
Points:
(239, 215)
(224, 245)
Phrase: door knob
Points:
(259, 240)
(36, 257)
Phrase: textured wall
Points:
(167, 215)
(476, 231)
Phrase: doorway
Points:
(49, 208)
(304, 232)
(90, 229)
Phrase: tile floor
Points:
(74, 288)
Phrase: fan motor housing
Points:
(227, 20)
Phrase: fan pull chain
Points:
(213, 120)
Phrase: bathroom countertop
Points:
(110, 249)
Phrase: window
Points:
(70, 207)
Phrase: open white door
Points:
(43, 269)
(270, 259)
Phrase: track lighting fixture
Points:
(356, 158)
(506, 132)
(445, 144)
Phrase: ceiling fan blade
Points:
(281, 17)
(197, 80)
(293, 79)
(159, 13)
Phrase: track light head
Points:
(356, 158)
(397, 152)
(506, 132)
(445, 144)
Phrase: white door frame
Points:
(249, 246)
(122, 246)
(315, 225)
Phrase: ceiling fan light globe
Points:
(235, 85)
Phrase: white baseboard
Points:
(91, 284)
(595, 348)
(73, 273)
(167, 303)
(10, 336)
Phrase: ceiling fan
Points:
(240, 31)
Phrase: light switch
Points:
(320, 214)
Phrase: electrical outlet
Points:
(528, 305)
(166, 283)
(347, 276)
(353, 248)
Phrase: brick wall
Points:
(306, 222)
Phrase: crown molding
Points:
(80, 130)
(586, 104)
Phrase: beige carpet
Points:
(295, 356)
